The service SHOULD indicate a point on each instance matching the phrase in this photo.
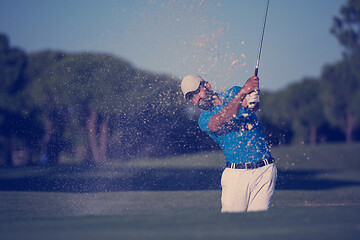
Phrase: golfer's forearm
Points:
(229, 111)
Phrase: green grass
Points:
(318, 197)
(279, 223)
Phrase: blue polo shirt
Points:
(242, 139)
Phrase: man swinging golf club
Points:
(248, 181)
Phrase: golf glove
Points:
(252, 99)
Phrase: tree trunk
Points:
(98, 148)
(103, 138)
(81, 153)
(92, 136)
(313, 135)
(45, 140)
(19, 152)
(350, 120)
(7, 147)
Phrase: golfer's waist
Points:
(250, 165)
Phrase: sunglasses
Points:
(190, 95)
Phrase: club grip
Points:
(256, 71)
(253, 105)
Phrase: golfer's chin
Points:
(206, 106)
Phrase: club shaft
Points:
(261, 40)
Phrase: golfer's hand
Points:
(251, 85)
(253, 97)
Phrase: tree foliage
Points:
(346, 27)
(17, 122)
(13, 62)
(304, 107)
(106, 107)
(340, 92)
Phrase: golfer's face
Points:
(196, 97)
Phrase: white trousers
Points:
(248, 190)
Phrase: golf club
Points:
(261, 40)
(252, 104)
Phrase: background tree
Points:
(346, 27)
(40, 96)
(341, 81)
(106, 101)
(303, 106)
(274, 117)
(88, 89)
(340, 90)
(17, 122)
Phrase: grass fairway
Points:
(317, 197)
(279, 223)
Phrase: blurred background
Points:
(99, 81)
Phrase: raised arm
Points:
(232, 108)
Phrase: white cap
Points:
(190, 83)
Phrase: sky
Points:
(218, 39)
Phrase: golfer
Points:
(248, 181)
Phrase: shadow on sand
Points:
(168, 179)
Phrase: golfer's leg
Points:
(263, 189)
(235, 192)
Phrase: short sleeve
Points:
(204, 119)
